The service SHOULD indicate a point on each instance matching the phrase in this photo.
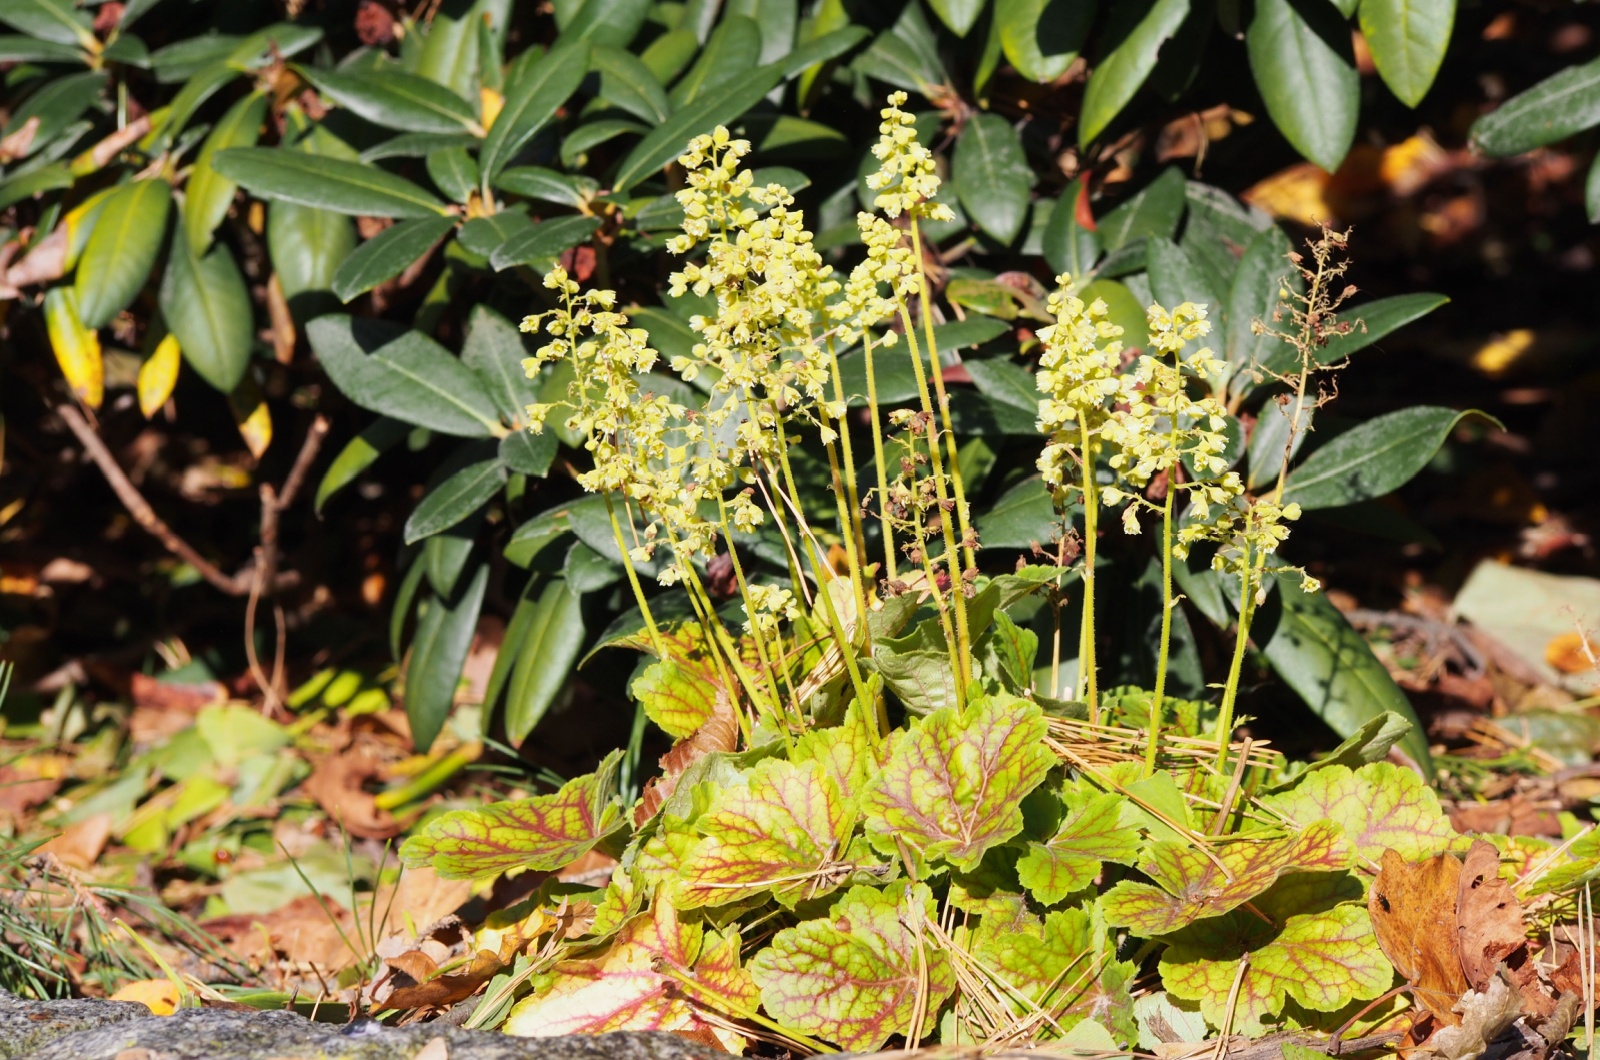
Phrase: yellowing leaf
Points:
(160, 996)
(721, 975)
(543, 833)
(675, 697)
(784, 831)
(846, 751)
(853, 976)
(492, 103)
(1071, 858)
(1380, 806)
(1302, 944)
(250, 412)
(77, 347)
(158, 375)
(1192, 886)
(953, 786)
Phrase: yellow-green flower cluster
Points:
(1246, 533)
(771, 288)
(771, 603)
(1160, 425)
(1080, 374)
(905, 181)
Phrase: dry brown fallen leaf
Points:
(1413, 908)
(1491, 930)
(1481, 1017)
(80, 845)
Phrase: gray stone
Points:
(104, 1030)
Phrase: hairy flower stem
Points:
(846, 525)
(962, 659)
(762, 650)
(656, 641)
(720, 639)
(1088, 679)
(968, 559)
(1153, 735)
(1230, 691)
(852, 494)
(884, 518)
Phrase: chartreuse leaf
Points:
(991, 176)
(1191, 886)
(1380, 806)
(1554, 109)
(1070, 859)
(1303, 940)
(674, 697)
(953, 784)
(122, 249)
(1408, 39)
(1139, 29)
(1373, 459)
(544, 833)
(1049, 963)
(208, 193)
(847, 752)
(855, 976)
(783, 831)
(1300, 55)
(1041, 38)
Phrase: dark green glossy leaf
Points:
(484, 235)
(207, 306)
(1301, 57)
(992, 176)
(57, 105)
(53, 20)
(1317, 653)
(720, 106)
(906, 55)
(394, 99)
(34, 182)
(197, 88)
(1408, 39)
(1271, 442)
(959, 15)
(1378, 320)
(416, 145)
(121, 252)
(494, 350)
(307, 246)
(1553, 109)
(15, 49)
(546, 185)
(594, 133)
(453, 172)
(326, 183)
(670, 54)
(1042, 38)
(778, 20)
(1023, 516)
(1004, 380)
(613, 22)
(1067, 245)
(1373, 459)
(1263, 268)
(536, 89)
(446, 553)
(544, 241)
(1174, 277)
(1139, 28)
(527, 453)
(630, 84)
(438, 653)
(454, 499)
(1153, 210)
(555, 633)
(208, 194)
(403, 374)
(388, 254)
(1591, 192)
(734, 49)
(358, 454)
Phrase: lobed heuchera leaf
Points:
(1070, 859)
(722, 976)
(1307, 943)
(1380, 806)
(1192, 886)
(784, 831)
(675, 697)
(953, 785)
(847, 752)
(1066, 967)
(621, 990)
(853, 977)
(545, 833)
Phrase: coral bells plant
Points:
(877, 824)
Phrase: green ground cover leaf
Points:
(783, 831)
(1380, 806)
(1072, 857)
(1190, 886)
(853, 977)
(1307, 944)
(544, 833)
(847, 752)
(953, 785)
